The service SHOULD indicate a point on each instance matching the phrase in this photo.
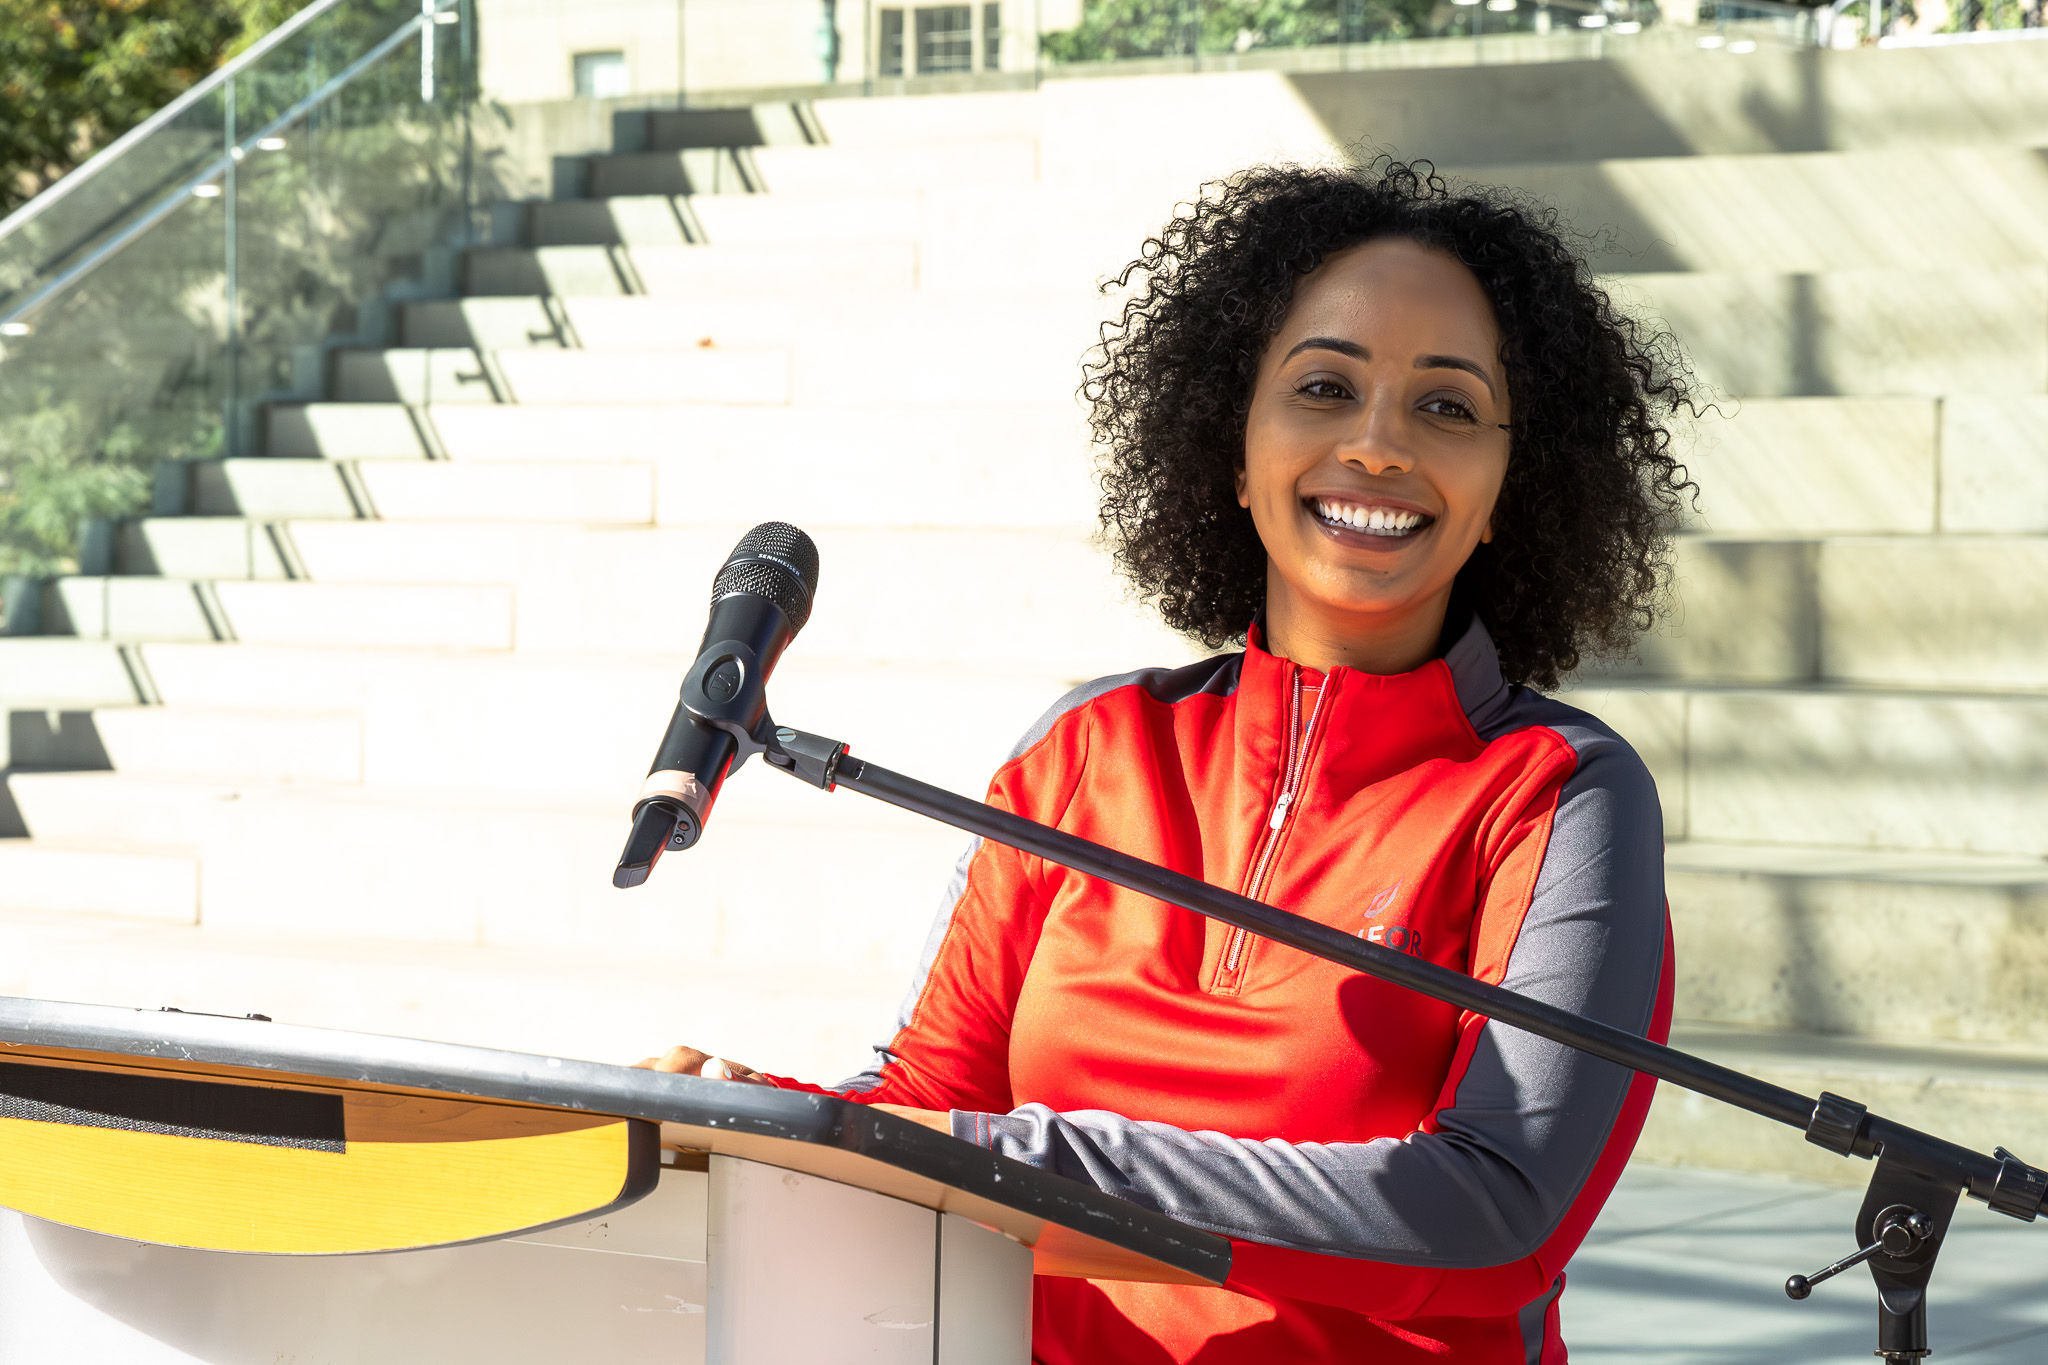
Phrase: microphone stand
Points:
(1913, 1189)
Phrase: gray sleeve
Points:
(1529, 1118)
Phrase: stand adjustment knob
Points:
(1900, 1231)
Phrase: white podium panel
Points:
(807, 1269)
(626, 1289)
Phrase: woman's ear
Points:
(1244, 499)
(1486, 536)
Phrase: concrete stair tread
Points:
(1978, 1096)
(612, 1005)
(64, 671)
(286, 611)
(139, 880)
(2019, 1066)
(1857, 864)
(322, 746)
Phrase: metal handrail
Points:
(100, 254)
(121, 145)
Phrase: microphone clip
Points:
(813, 758)
(725, 689)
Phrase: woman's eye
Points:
(1451, 406)
(1328, 389)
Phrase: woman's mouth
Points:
(1386, 523)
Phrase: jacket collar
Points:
(1472, 665)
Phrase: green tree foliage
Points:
(76, 74)
(46, 492)
(1111, 29)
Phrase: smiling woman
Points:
(1393, 440)
(1183, 392)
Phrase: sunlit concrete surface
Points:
(1688, 1267)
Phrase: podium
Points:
(191, 1187)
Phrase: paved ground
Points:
(1688, 1268)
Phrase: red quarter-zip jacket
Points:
(1401, 1181)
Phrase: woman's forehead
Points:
(1397, 293)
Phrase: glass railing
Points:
(156, 297)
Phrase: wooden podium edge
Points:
(1073, 1228)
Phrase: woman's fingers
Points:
(688, 1061)
(939, 1119)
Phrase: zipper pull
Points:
(1280, 810)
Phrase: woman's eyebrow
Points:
(1423, 362)
(1337, 344)
(1455, 362)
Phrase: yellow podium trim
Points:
(154, 1152)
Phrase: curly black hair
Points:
(1578, 561)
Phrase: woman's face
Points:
(1374, 452)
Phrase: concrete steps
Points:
(1979, 1097)
(533, 374)
(1906, 948)
(1836, 331)
(56, 669)
(436, 719)
(692, 170)
(1841, 767)
(1802, 212)
(1924, 612)
(413, 375)
(100, 876)
(1917, 612)
(606, 1004)
(593, 492)
(371, 615)
(918, 464)
(474, 865)
(1042, 601)
(495, 324)
(191, 741)
(842, 169)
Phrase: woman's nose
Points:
(1376, 444)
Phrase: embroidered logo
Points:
(1377, 906)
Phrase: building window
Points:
(889, 53)
(600, 75)
(945, 39)
(991, 37)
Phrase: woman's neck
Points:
(1323, 640)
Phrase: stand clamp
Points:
(1905, 1215)
(2019, 1190)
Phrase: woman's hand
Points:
(688, 1061)
(938, 1119)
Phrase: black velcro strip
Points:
(172, 1106)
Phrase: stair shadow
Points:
(54, 741)
(12, 825)
(1800, 124)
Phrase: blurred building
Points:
(542, 50)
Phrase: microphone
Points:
(760, 599)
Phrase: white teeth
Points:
(1385, 521)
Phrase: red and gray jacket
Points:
(1401, 1181)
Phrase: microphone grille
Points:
(774, 560)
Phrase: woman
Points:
(1396, 438)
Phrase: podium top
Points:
(83, 1074)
